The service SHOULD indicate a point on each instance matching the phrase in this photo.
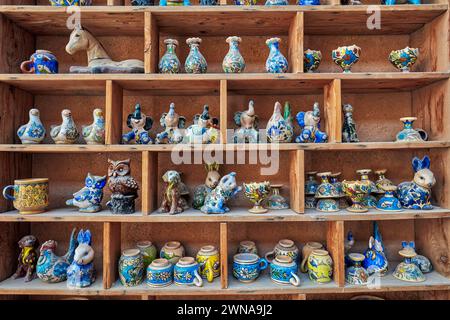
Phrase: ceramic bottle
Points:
(131, 268)
(195, 62)
(169, 62)
(276, 62)
(95, 132)
(33, 132)
(233, 62)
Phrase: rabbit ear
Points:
(425, 162)
(404, 244)
(80, 237)
(412, 244)
(87, 237)
(416, 164)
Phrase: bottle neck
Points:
(171, 48)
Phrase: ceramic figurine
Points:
(123, 187)
(370, 201)
(284, 247)
(247, 246)
(308, 2)
(248, 266)
(247, 121)
(26, 263)
(311, 59)
(389, 202)
(277, 3)
(172, 251)
(97, 57)
(351, 2)
(184, 194)
(142, 2)
(422, 262)
(204, 129)
(382, 181)
(375, 259)
(408, 133)
(356, 274)
(326, 194)
(209, 2)
(404, 59)
(173, 125)
(309, 123)
(416, 194)
(89, 198)
(283, 270)
(307, 249)
(276, 62)
(172, 202)
(41, 62)
(334, 180)
(30, 196)
(233, 62)
(140, 125)
(211, 181)
(208, 259)
(393, 2)
(357, 191)
(216, 200)
(276, 201)
(278, 128)
(148, 252)
(407, 270)
(65, 3)
(52, 268)
(245, 2)
(195, 61)
(33, 132)
(349, 126)
(320, 266)
(346, 57)
(159, 273)
(311, 186)
(67, 132)
(257, 192)
(81, 272)
(95, 132)
(174, 3)
(186, 272)
(131, 268)
(348, 244)
(169, 62)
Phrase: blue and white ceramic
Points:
(170, 3)
(247, 122)
(41, 62)
(416, 194)
(276, 201)
(407, 270)
(276, 62)
(33, 132)
(140, 125)
(309, 123)
(394, 2)
(327, 205)
(195, 61)
(423, 263)
(81, 272)
(389, 202)
(277, 3)
(370, 201)
(334, 179)
(186, 272)
(408, 133)
(279, 129)
(375, 260)
(248, 266)
(95, 132)
(284, 247)
(311, 59)
(283, 270)
(233, 62)
(131, 268)
(216, 200)
(159, 273)
(308, 2)
(326, 194)
(66, 3)
(89, 198)
(66, 132)
(142, 2)
(346, 57)
(169, 62)
(355, 273)
(311, 183)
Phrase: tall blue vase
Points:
(276, 62)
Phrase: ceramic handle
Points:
(198, 281)
(209, 270)
(25, 67)
(423, 134)
(295, 280)
(5, 193)
(263, 264)
(270, 256)
(303, 265)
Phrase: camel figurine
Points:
(98, 59)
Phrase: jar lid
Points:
(130, 252)
(172, 244)
(186, 261)
(160, 263)
(144, 244)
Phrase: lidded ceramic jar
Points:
(169, 62)
(247, 246)
(320, 266)
(356, 274)
(233, 62)
(172, 251)
(283, 270)
(159, 273)
(209, 262)
(148, 251)
(306, 251)
(195, 61)
(131, 268)
(284, 247)
(186, 272)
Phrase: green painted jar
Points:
(148, 251)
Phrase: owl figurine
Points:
(89, 198)
(123, 187)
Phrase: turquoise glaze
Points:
(248, 266)
(186, 272)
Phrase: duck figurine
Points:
(67, 132)
(89, 198)
(95, 132)
(52, 268)
(247, 121)
(33, 132)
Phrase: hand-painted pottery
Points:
(172, 251)
(370, 201)
(186, 272)
(95, 132)
(204, 129)
(276, 62)
(346, 57)
(140, 125)
(142, 2)
(309, 123)
(33, 132)
(334, 179)
(393, 2)
(356, 191)
(310, 202)
(283, 270)
(278, 128)
(311, 59)
(408, 133)
(309, 2)
(388, 202)
(247, 122)
(174, 3)
(26, 263)
(326, 194)
(348, 244)
(148, 251)
(89, 198)
(276, 201)
(257, 192)
(173, 125)
(306, 251)
(81, 272)
(30, 195)
(284, 247)
(277, 3)
(195, 61)
(233, 62)
(248, 266)
(67, 132)
(169, 62)
(209, 262)
(216, 201)
(41, 62)
(159, 273)
(423, 263)
(416, 194)
(356, 274)
(66, 3)
(211, 181)
(327, 205)
(311, 183)
(131, 268)
(349, 133)
(382, 181)
(407, 270)
(247, 246)
(245, 2)
(320, 266)
(209, 2)
(375, 260)
(404, 59)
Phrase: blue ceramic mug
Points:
(41, 62)
(159, 273)
(283, 270)
(248, 266)
(186, 272)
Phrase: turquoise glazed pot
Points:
(169, 62)
(388, 202)
(159, 273)
(41, 62)
(186, 272)
(233, 61)
(131, 268)
(356, 274)
(283, 270)
(195, 62)
(276, 62)
(248, 266)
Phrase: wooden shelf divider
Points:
(113, 114)
(297, 180)
(224, 255)
(111, 252)
(335, 246)
(151, 43)
(149, 182)
(333, 113)
(223, 118)
(295, 56)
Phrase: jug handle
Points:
(25, 67)
(303, 265)
(263, 263)
(294, 280)
(423, 134)
(198, 281)
(6, 195)
(268, 254)
(209, 270)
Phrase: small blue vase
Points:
(276, 62)
(169, 62)
(309, 2)
(195, 61)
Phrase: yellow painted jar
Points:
(320, 266)
(209, 260)
(29, 195)
(306, 251)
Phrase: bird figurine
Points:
(89, 198)
(67, 132)
(33, 132)
(95, 132)
(247, 122)
(52, 268)
(123, 187)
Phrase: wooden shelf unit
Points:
(379, 94)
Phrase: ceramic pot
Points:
(404, 59)
(257, 192)
(245, 2)
(326, 194)
(306, 251)
(276, 201)
(209, 262)
(159, 273)
(408, 133)
(142, 3)
(320, 266)
(131, 268)
(370, 201)
(41, 62)
(407, 270)
(66, 3)
(356, 274)
(169, 62)
(311, 60)
(34, 131)
(389, 202)
(195, 61)
(283, 270)
(357, 191)
(248, 266)
(284, 247)
(172, 251)
(247, 247)
(279, 129)
(148, 251)
(186, 272)
(233, 62)
(30, 196)
(346, 57)
(276, 62)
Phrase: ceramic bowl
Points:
(311, 60)
(346, 57)
(404, 59)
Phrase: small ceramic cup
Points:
(172, 251)
(159, 273)
(186, 272)
(306, 251)
(30, 195)
(283, 270)
(247, 247)
(148, 251)
(284, 247)
(41, 62)
(209, 260)
(248, 266)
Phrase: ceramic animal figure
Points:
(52, 268)
(26, 264)
(140, 125)
(122, 185)
(416, 194)
(394, 2)
(309, 123)
(349, 127)
(204, 130)
(89, 198)
(247, 121)
(216, 200)
(173, 125)
(278, 127)
(65, 3)
(375, 257)
(81, 272)
(174, 3)
(95, 132)
(33, 132)
(67, 132)
(211, 181)
(172, 202)
(98, 59)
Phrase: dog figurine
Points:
(27, 258)
(172, 202)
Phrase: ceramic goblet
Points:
(404, 59)
(346, 57)
(311, 60)
(356, 190)
(257, 192)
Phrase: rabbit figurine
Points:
(416, 194)
(81, 272)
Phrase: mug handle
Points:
(269, 255)
(6, 195)
(423, 134)
(25, 67)
(303, 265)
(209, 271)
(263, 264)
(198, 281)
(294, 280)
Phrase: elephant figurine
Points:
(173, 125)
(309, 123)
(140, 124)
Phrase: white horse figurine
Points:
(98, 59)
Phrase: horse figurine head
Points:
(84, 253)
